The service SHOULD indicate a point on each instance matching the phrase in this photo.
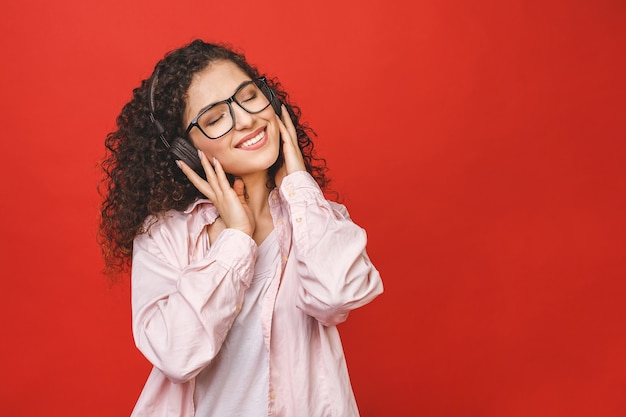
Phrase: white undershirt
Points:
(236, 383)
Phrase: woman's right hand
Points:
(230, 201)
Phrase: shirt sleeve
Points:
(182, 313)
(335, 272)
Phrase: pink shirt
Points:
(186, 293)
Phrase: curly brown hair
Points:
(140, 175)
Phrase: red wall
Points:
(481, 144)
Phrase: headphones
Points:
(183, 149)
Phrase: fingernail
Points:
(200, 153)
(214, 161)
(180, 165)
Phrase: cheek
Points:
(210, 148)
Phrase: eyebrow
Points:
(221, 101)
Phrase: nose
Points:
(243, 119)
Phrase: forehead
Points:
(215, 83)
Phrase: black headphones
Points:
(183, 149)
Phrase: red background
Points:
(481, 144)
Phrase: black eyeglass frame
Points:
(260, 82)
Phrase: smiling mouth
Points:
(253, 140)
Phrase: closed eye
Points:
(249, 97)
(211, 118)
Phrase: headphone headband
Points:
(153, 82)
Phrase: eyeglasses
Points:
(217, 119)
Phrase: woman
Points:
(241, 269)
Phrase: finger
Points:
(212, 175)
(289, 141)
(286, 119)
(291, 151)
(222, 180)
(208, 168)
(215, 175)
(202, 186)
(240, 189)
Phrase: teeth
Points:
(253, 140)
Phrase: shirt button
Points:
(280, 222)
(272, 394)
(239, 307)
(299, 219)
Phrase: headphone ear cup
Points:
(186, 152)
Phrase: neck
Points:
(257, 193)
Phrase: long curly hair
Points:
(140, 176)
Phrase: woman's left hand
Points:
(291, 151)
